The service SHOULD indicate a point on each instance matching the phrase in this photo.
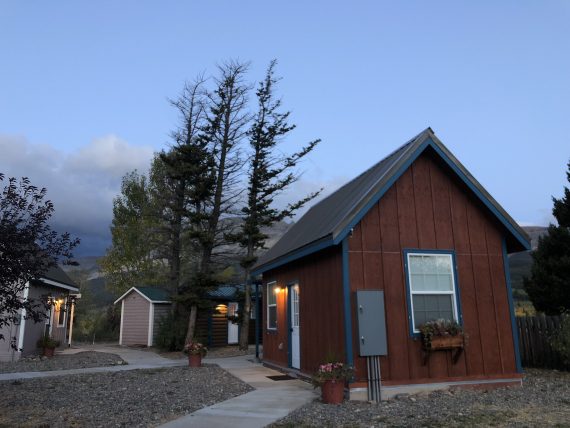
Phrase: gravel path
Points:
(81, 360)
(137, 398)
(544, 400)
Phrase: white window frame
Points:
(271, 287)
(411, 293)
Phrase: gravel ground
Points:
(81, 360)
(135, 398)
(544, 400)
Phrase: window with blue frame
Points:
(432, 288)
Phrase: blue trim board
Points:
(297, 254)
(407, 251)
(347, 305)
(512, 307)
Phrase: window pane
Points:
(416, 265)
(419, 319)
(418, 282)
(271, 295)
(443, 264)
(272, 320)
(444, 283)
(429, 307)
(430, 282)
(444, 303)
(430, 272)
(419, 302)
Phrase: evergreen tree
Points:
(219, 140)
(549, 284)
(270, 173)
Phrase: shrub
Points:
(47, 342)
(171, 333)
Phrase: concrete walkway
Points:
(136, 359)
(272, 400)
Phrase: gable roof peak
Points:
(331, 219)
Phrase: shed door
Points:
(233, 327)
(295, 327)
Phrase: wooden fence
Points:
(534, 341)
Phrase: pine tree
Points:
(549, 284)
(270, 173)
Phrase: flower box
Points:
(446, 342)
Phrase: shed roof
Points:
(329, 221)
(152, 294)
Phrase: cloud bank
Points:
(81, 184)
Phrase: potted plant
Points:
(331, 377)
(48, 345)
(442, 335)
(196, 351)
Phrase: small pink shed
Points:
(142, 308)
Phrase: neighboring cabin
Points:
(58, 289)
(142, 309)
(418, 227)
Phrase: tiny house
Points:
(418, 230)
(59, 293)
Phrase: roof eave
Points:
(311, 248)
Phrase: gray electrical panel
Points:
(371, 323)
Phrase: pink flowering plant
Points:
(332, 371)
(195, 348)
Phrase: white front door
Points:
(233, 327)
(295, 327)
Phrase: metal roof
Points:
(229, 292)
(155, 294)
(331, 219)
(56, 274)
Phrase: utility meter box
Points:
(371, 323)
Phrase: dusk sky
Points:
(84, 89)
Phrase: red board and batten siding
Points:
(321, 310)
(428, 208)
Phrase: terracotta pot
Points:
(194, 360)
(333, 391)
(48, 352)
